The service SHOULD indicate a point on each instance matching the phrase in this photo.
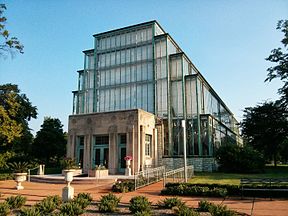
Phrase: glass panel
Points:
(139, 73)
(113, 58)
(97, 157)
(128, 59)
(148, 145)
(122, 156)
(106, 157)
(150, 98)
(117, 75)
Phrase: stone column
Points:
(87, 153)
(131, 148)
(154, 147)
(113, 150)
(142, 147)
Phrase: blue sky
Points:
(227, 41)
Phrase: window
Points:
(123, 139)
(148, 142)
(80, 140)
(101, 140)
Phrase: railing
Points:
(177, 175)
(149, 176)
(29, 172)
(40, 168)
(153, 175)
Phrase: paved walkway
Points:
(37, 191)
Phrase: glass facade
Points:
(142, 67)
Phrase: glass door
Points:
(122, 153)
(101, 151)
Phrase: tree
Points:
(8, 43)
(280, 57)
(235, 159)
(50, 142)
(15, 112)
(265, 127)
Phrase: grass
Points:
(280, 171)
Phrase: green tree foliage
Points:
(7, 42)
(15, 112)
(50, 142)
(235, 159)
(279, 56)
(265, 127)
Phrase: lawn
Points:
(234, 179)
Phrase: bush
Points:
(123, 186)
(189, 189)
(143, 213)
(214, 209)
(203, 206)
(169, 203)
(71, 208)
(48, 205)
(30, 212)
(4, 209)
(16, 202)
(108, 203)
(140, 204)
(83, 199)
(86, 196)
(233, 158)
(184, 210)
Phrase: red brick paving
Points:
(37, 191)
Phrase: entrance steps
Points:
(59, 179)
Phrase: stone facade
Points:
(133, 124)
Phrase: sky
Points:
(227, 40)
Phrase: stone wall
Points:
(200, 164)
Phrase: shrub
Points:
(139, 204)
(71, 208)
(83, 199)
(214, 209)
(233, 158)
(48, 205)
(184, 210)
(16, 202)
(4, 209)
(123, 186)
(143, 213)
(220, 210)
(188, 189)
(108, 203)
(86, 196)
(30, 212)
(82, 202)
(169, 203)
(204, 205)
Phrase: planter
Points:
(75, 172)
(128, 163)
(19, 178)
(69, 174)
(98, 173)
(128, 169)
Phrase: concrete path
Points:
(37, 191)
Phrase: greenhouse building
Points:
(135, 89)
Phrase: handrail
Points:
(29, 170)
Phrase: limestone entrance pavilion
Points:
(136, 87)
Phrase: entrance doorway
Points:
(101, 151)
(80, 150)
(122, 153)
